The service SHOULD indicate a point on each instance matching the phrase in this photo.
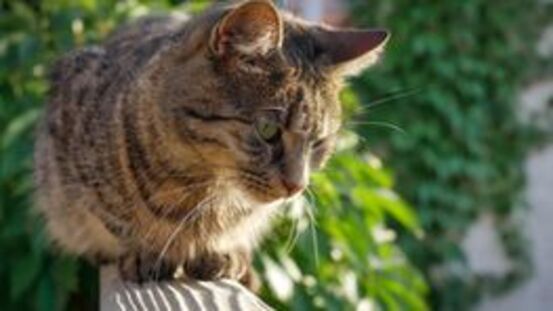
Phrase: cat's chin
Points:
(257, 200)
(254, 222)
(261, 198)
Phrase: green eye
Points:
(267, 130)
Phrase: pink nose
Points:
(292, 187)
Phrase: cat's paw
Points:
(251, 280)
(207, 267)
(140, 268)
(218, 266)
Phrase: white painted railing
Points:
(117, 295)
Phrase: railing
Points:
(117, 295)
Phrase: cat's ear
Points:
(349, 51)
(253, 28)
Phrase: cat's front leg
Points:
(250, 280)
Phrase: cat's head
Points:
(253, 95)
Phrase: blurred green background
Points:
(431, 142)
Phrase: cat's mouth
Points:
(267, 188)
(278, 190)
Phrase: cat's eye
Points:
(268, 130)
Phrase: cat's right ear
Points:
(253, 28)
(349, 51)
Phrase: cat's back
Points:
(85, 86)
(86, 83)
(79, 141)
(123, 53)
(135, 43)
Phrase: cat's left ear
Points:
(350, 51)
(253, 28)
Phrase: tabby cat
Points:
(168, 148)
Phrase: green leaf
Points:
(18, 125)
(24, 272)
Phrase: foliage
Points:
(354, 259)
(346, 255)
(449, 80)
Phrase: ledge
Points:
(117, 295)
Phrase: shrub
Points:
(450, 80)
(353, 261)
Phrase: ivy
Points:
(450, 80)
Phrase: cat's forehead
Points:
(305, 105)
(300, 101)
(287, 83)
(313, 115)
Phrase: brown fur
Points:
(148, 153)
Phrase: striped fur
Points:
(149, 155)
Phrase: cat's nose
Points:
(292, 187)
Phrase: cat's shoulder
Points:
(82, 64)
(148, 25)
(143, 30)
(94, 61)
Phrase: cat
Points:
(168, 148)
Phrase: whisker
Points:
(314, 234)
(157, 195)
(312, 197)
(199, 207)
(386, 99)
(380, 124)
(315, 241)
(293, 236)
(174, 205)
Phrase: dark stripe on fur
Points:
(187, 112)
